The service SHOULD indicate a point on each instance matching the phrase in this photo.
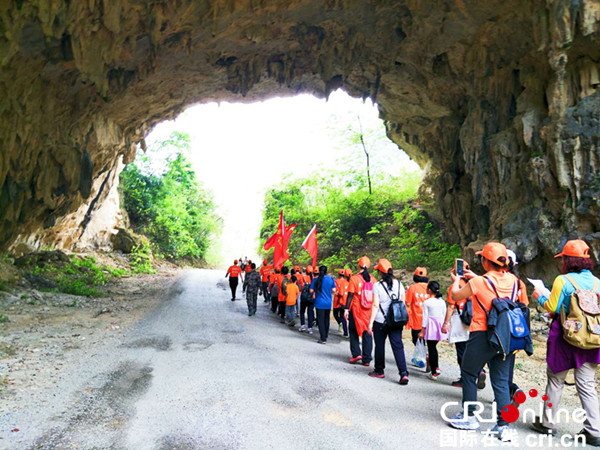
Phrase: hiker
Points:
(265, 271)
(434, 312)
(274, 289)
(323, 286)
(497, 282)
(282, 280)
(307, 302)
(297, 271)
(339, 302)
(358, 317)
(416, 294)
(233, 273)
(251, 286)
(522, 298)
(458, 331)
(561, 356)
(384, 291)
(248, 267)
(291, 297)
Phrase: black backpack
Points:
(466, 315)
(305, 295)
(397, 316)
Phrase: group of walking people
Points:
(361, 304)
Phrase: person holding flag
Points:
(310, 245)
(279, 241)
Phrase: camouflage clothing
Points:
(251, 285)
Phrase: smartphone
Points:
(459, 267)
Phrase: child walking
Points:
(434, 313)
(291, 296)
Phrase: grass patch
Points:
(80, 276)
(4, 318)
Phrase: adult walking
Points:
(339, 302)
(234, 272)
(265, 272)
(416, 295)
(384, 291)
(307, 302)
(251, 286)
(453, 325)
(497, 282)
(323, 287)
(358, 317)
(561, 356)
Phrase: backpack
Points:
(513, 318)
(581, 328)
(466, 315)
(397, 316)
(305, 295)
(366, 295)
(284, 284)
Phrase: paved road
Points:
(199, 373)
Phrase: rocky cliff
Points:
(496, 99)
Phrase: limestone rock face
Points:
(497, 99)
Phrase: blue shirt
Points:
(323, 299)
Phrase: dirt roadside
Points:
(46, 331)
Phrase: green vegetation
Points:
(140, 259)
(166, 203)
(80, 276)
(4, 318)
(350, 222)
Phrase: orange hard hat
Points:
(363, 262)
(341, 272)
(235, 261)
(348, 272)
(576, 248)
(309, 269)
(421, 271)
(383, 265)
(265, 262)
(495, 252)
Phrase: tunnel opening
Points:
(240, 152)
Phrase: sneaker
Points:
(514, 402)
(366, 364)
(355, 359)
(438, 371)
(538, 426)
(433, 376)
(346, 335)
(321, 342)
(481, 380)
(594, 441)
(403, 380)
(461, 423)
(457, 383)
(310, 331)
(376, 374)
(502, 432)
(302, 328)
(233, 299)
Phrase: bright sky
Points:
(241, 150)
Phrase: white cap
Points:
(512, 256)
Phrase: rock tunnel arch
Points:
(497, 100)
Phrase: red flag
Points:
(280, 241)
(310, 245)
